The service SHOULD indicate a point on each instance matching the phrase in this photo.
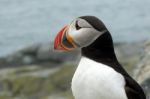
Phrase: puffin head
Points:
(80, 33)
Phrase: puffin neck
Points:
(101, 50)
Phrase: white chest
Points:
(93, 80)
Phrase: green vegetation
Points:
(19, 84)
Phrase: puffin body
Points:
(99, 75)
(98, 81)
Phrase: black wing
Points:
(133, 89)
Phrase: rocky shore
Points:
(39, 72)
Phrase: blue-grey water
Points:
(24, 22)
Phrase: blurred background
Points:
(31, 69)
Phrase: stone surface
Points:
(41, 73)
(35, 82)
(38, 53)
(146, 86)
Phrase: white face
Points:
(83, 33)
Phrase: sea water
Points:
(25, 22)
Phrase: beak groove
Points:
(64, 41)
(57, 42)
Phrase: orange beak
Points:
(63, 41)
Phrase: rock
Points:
(45, 81)
(142, 71)
(43, 52)
(135, 59)
(38, 54)
(146, 87)
(24, 84)
(129, 54)
(46, 52)
(31, 50)
(28, 60)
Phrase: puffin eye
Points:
(77, 26)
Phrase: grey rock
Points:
(134, 57)
(39, 53)
(46, 52)
(28, 60)
(142, 70)
(146, 87)
(31, 50)
(129, 54)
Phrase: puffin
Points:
(99, 75)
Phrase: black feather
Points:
(102, 50)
